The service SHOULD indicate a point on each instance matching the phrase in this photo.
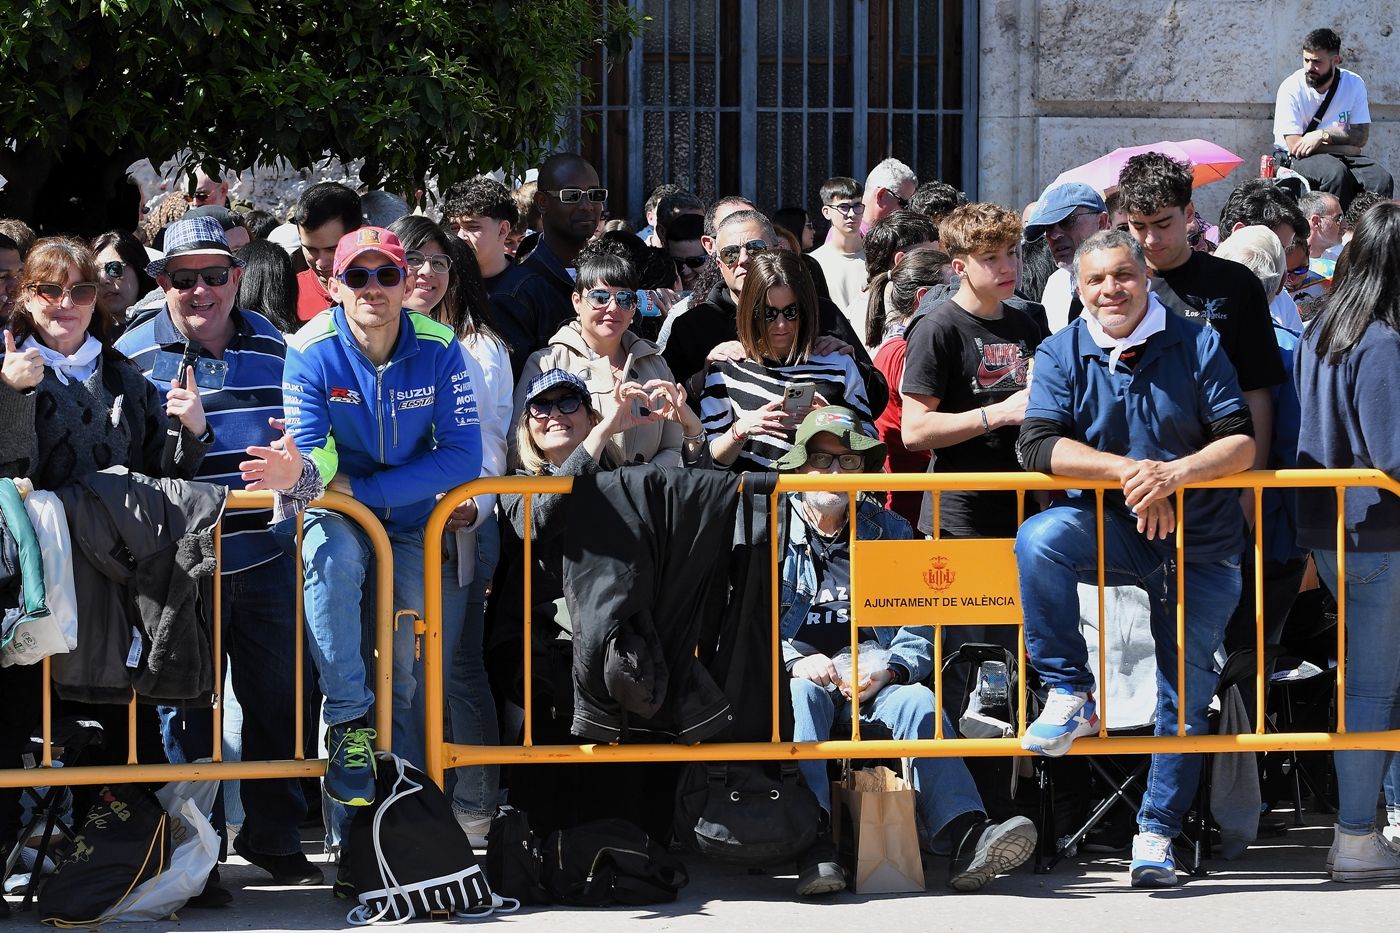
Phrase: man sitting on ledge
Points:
(1144, 398)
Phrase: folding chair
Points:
(72, 737)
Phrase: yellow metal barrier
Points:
(218, 769)
(442, 754)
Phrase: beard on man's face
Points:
(1317, 81)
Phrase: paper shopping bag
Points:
(876, 808)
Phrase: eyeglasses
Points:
(729, 255)
(82, 294)
(113, 269)
(438, 262)
(200, 196)
(598, 298)
(849, 463)
(386, 276)
(1067, 222)
(213, 276)
(848, 209)
(565, 404)
(792, 312)
(693, 262)
(575, 195)
(903, 202)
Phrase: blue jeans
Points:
(1055, 551)
(337, 557)
(470, 704)
(259, 612)
(945, 788)
(1372, 674)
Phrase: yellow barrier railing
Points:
(442, 754)
(218, 769)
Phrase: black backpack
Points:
(609, 862)
(514, 862)
(124, 842)
(409, 858)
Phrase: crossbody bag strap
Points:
(1326, 102)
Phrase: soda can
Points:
(1268, 166)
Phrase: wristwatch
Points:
(208, 436)
(1326, 138)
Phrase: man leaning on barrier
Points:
(1138, 396)
(815, 625)
(380, 400)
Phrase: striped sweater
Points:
(748, 386)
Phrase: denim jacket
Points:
(910, 647)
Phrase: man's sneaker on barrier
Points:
(1067, 715)
(1364, 858)
(989, 849)
(293, 869)
(1153, 865)
(350, 772)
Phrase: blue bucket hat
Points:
(193, 236)
(1058, 203)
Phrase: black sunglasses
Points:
(575, 195)
(792, 312)
(694, 262)
(729, 255)
(903, 202)
(598, 298)
(113, 269)
(386, 276)
(566, 404)
(213, 276)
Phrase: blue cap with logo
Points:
(1058, 203)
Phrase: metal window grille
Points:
(769, 98)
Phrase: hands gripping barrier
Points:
(442, 755)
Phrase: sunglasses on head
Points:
(113, 269)
(792, 312)
(438, 262)
(849, 463)
(598, 298)
(357, 278)
(575, 195)
(565, 404)
(84, 293)
(729, 255)
(213, 276)
(693, 262)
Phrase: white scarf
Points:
(1153, 322)
(81, 365)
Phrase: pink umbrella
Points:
(1208, 161)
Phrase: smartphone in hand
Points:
(798, 397)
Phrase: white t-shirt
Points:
(1059, 291)
(845, 278)
(1297, 103)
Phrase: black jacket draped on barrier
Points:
(646, 571)
(143, 560)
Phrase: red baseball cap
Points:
(367, 240)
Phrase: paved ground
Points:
(1279, 883)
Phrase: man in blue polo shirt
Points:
(1136, 395)
(239, 357)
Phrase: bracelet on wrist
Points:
(986, 425)
(693, 438)
(734, 429)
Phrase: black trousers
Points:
(1344, 176)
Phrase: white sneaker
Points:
(1391, 834)
(475, 828)
(1364, 858)
(1067, 715)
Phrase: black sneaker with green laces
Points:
(350, 772)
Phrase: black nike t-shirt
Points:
(1227, 296)
(969, 362)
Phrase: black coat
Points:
(648, 576)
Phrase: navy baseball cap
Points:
(1058, 203)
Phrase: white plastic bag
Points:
(195, 854)
(872, 658)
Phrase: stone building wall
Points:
(1065, 81)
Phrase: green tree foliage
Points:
(417, 88)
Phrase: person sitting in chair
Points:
(815, 624)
